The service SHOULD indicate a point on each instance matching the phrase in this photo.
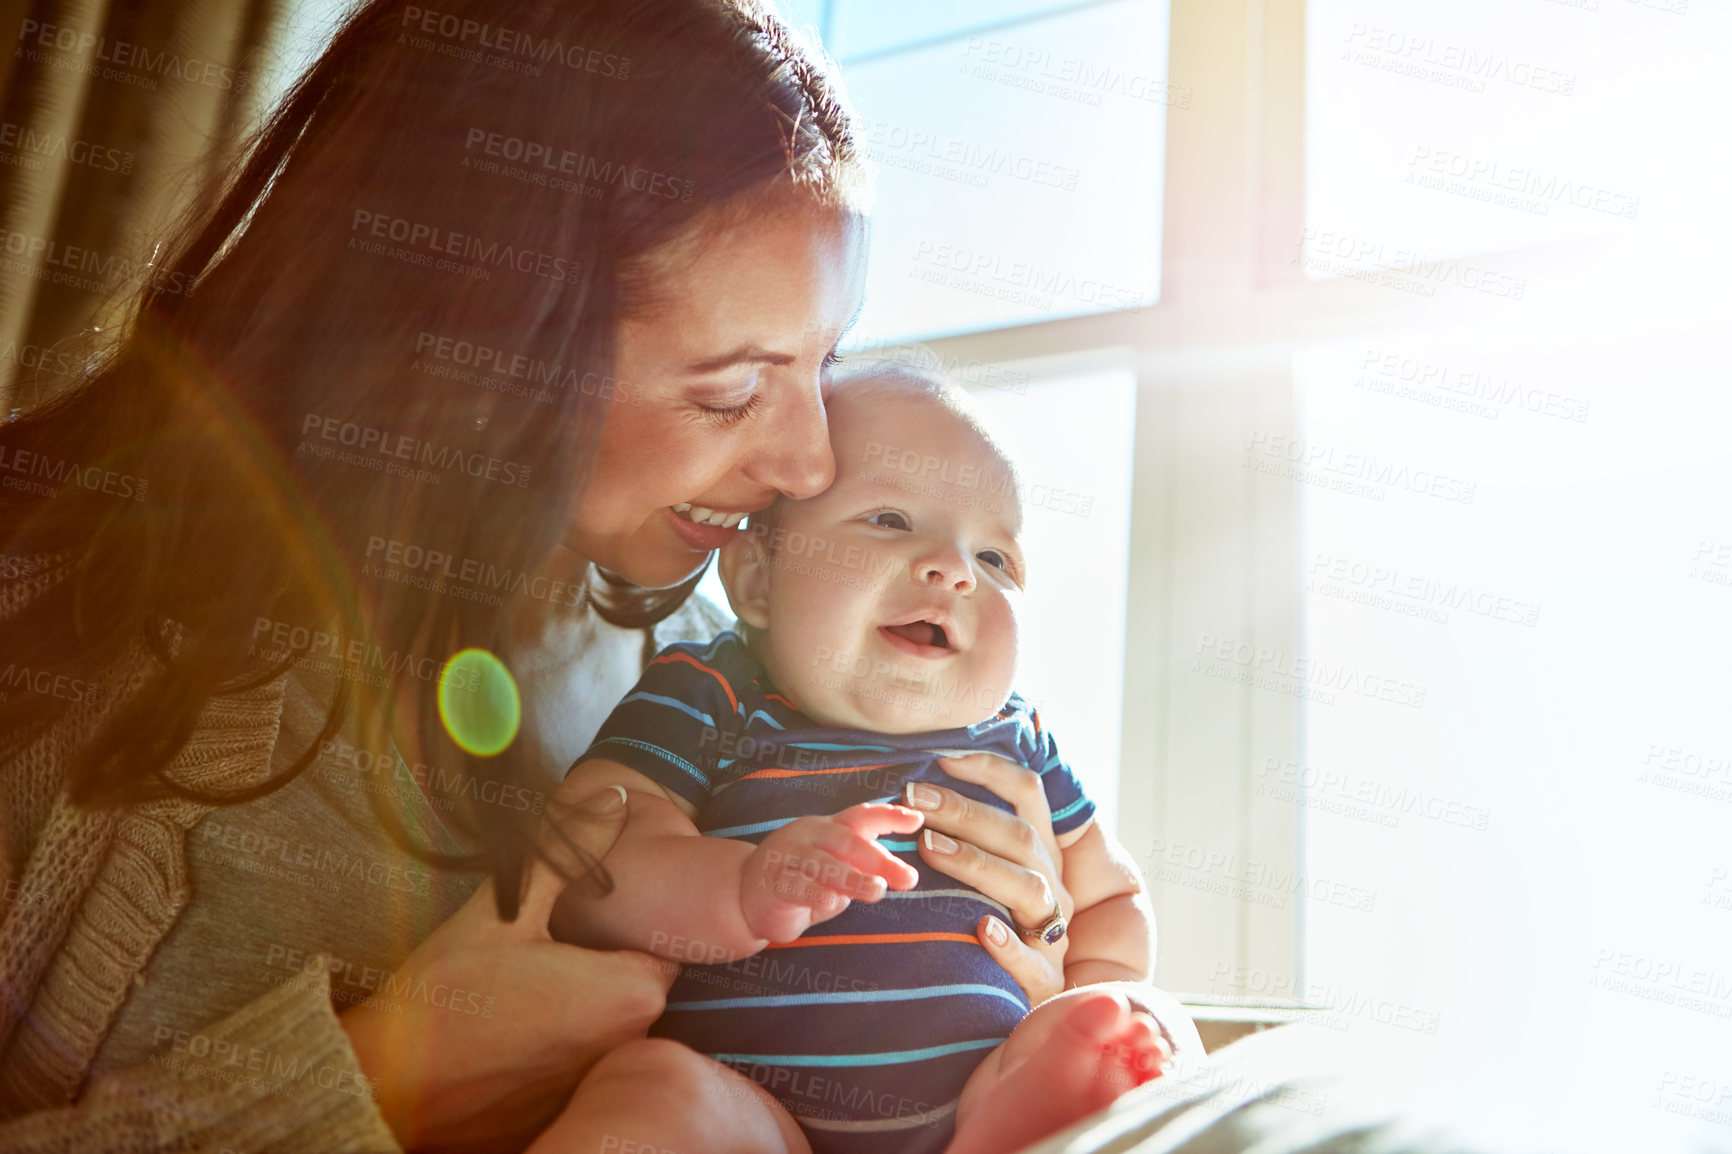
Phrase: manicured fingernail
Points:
(606, 801)
(996, 932)
(923, 796)
(938, 843)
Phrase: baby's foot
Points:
(1096, 1051)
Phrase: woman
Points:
(504, 296)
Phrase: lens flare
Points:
(478, 702)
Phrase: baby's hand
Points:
(810, 869)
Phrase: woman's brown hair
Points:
(299, 389)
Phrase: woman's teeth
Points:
(705, 516)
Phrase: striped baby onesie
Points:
(867, 1026)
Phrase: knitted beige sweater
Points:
(171, 972)
(92, 894)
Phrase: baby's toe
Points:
(1099, 1015)
(1141, 1048)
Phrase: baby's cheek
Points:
(808, 633)
(1001, 643)
(810, 662)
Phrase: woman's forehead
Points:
(794, 264)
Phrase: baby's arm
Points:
(1112, 930)
(683, 896)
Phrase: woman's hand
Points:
(510, 1020)
(1012, 858)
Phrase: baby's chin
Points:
(890, 709)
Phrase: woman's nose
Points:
(794, 454)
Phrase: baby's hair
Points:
(920, 376)
(913, 375)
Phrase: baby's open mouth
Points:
(921, 633)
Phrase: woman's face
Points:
(724, 385)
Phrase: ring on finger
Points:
(1049, 932)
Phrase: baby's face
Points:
(892, 597)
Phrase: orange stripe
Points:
(873, 940)
(696, 664)
(783, 700)
(806, 772)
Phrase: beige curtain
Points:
(114, 116)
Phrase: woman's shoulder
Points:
(698, 619)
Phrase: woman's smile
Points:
(703, 516)
(712, 532)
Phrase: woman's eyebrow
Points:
(744, 355)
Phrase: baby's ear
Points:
(745, 563)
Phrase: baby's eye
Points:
(994, 558)
(890, 519)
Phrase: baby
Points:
(880, 635)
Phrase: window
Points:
(1514, 541)
(1019, 154)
